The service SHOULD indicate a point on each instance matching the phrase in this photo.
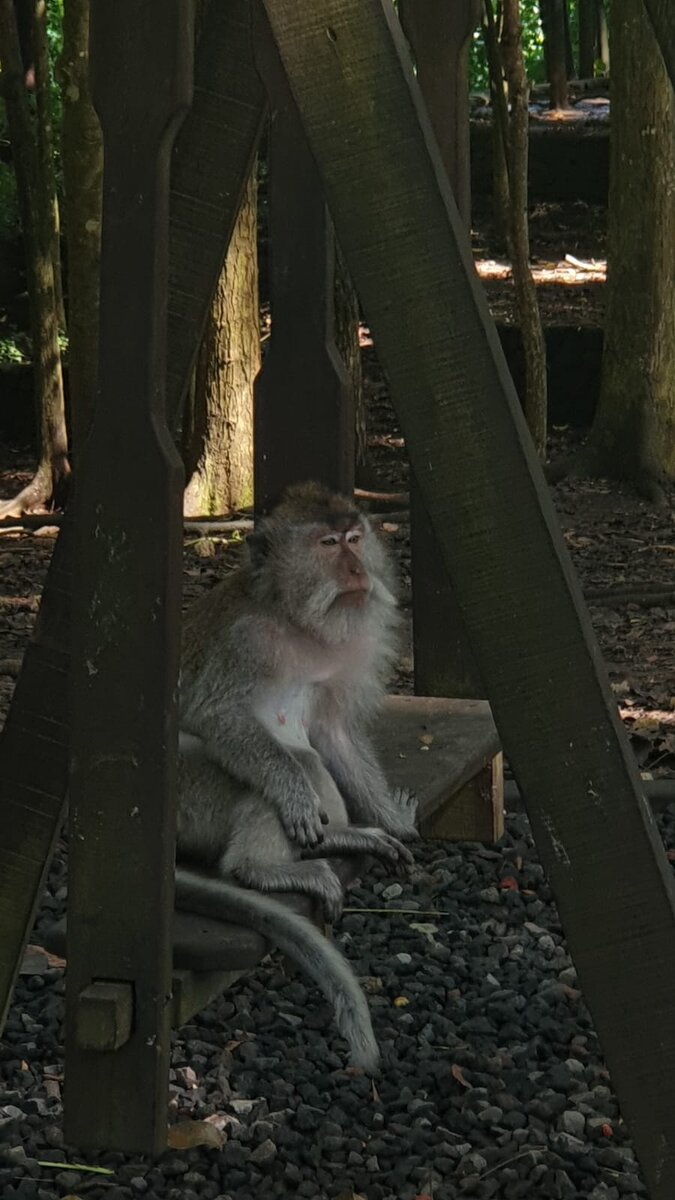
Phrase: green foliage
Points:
(533, 49)
(14, 349)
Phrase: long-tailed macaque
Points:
(283, 668)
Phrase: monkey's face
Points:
(340, 555)
(318, 560)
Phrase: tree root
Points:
(47, 489)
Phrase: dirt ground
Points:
(617, 540)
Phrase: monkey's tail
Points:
(300, 940)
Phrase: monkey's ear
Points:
(258, 547)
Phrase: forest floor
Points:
(494, 1084)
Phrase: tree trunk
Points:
(603, 36)
(82, 157)
(221, 445)
(36, 208)
(532, 333)
(346, 304)
(555, 55)
(45, 142)
(633, 434)
(588, 37)
(500, 124)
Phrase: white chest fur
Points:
(285, 711)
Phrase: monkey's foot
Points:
(359, 840)
(403, 823)
(315, 878)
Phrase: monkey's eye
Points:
(354, 536)
(331, 539)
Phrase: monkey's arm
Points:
(217, 707)
(353, 763)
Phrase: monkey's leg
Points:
(355, 840)
(316, 878)
(353, 764)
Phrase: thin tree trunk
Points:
(633, 434)
(588, 37)
(553, 24)
(500, 125)
(35, 206)
(221, 446)
(532, 333)
(45, 143)
(82, 156)
(603, 36)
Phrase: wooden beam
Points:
(34, 768)
(483, 487)
(662, 16)
(439, 34)
(211, 164)
(304, 414)
(126, 609)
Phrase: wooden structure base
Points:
(441, 749)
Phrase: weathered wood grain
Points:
(473, 459)
(127, 576)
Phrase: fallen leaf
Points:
(458, 1074)
(427, 930)
(606, 1129)
(426, 739)
(350, 1196)
(376, 1094)
(389, 528)
(401, 1002)
(188, 1134)
(508, 884)
(519, 863)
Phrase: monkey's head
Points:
(317, 557)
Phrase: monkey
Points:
(283, 665)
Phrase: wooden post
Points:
(304, 414)
(495, 523)
(210, 167)
(126, 609)
(439, 35)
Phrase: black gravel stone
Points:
(492, 1085)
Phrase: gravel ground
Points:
(492, 1085)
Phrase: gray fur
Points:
(284, 663)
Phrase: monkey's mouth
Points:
(354, 599)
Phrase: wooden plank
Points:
(495, 523)
(662, 17)
(304, 414)
(126, 600)
(475, 812)
(439, 34)
(211, 163)
(436, 747)
(34, 768)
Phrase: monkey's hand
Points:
(302, 818)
